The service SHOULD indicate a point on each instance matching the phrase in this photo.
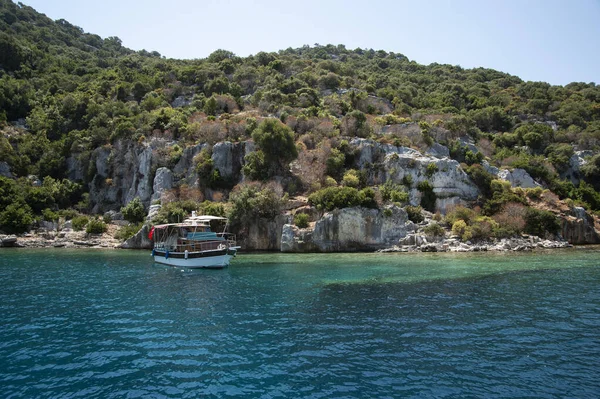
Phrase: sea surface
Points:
(112, 324)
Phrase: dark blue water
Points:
(108, 324)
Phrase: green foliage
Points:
(482, 179)
(276, 140)
(415, 213)
(128, 231)
(459, 228)
(251, 202)
(434, 230)
(393, 192)
(212, 208)
(50, 216)
(431, 169)
(351, 179)
(331, 198)
(276, 149)
(96, 226)
(460, 213)
(591, 171)
(16, 218)
(539, 222)
(335, 163)
(78, 91)
(134, 211)
(301, 220)
(79, 222)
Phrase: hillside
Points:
(87, 126)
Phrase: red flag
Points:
(151, 234)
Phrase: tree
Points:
(134, 211)
(16, 218)
(276, 143)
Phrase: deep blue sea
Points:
(112, 324)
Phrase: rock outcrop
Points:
(163, 180)
(518, 178)
(349, 229)
(123, 172)
(580, 228)
(450, 183)
(263, 235)
(140, 240)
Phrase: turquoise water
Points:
(111, 324)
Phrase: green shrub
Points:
(393, 192)
(251, 202)
(126, 232)
(351, 179)
(415, 213)
(459, 227)
(79, 222)
(301, 220)
(434, 230)
(407, 180)
(49, 215)
(539, 222)
(460, 212)
(342, 197)
(431, 170)
(16, 218)
(96, 226)
(134, 211)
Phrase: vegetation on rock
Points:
(75, 107)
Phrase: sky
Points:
(554, 41)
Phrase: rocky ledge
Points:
(416, 243)
(65, 238)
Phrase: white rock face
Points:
(349, 229)
(439, 151)
(163, 181)
(518, 178)
(577, 160)
(228, 158)
(448, 179)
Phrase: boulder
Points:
(518, 178)
(140, 240)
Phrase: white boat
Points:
(192, 244)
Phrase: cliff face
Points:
(580, 228)
(128, 170)
(349, 229)
(450, 182)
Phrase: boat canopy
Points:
(191, 221)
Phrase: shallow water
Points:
(112, 324)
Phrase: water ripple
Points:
(111, 325)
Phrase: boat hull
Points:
(196, 260)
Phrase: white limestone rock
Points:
(518, 178)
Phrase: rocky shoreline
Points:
(525, 243)
(411, 243)
(66, 238)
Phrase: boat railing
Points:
(222, 241)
